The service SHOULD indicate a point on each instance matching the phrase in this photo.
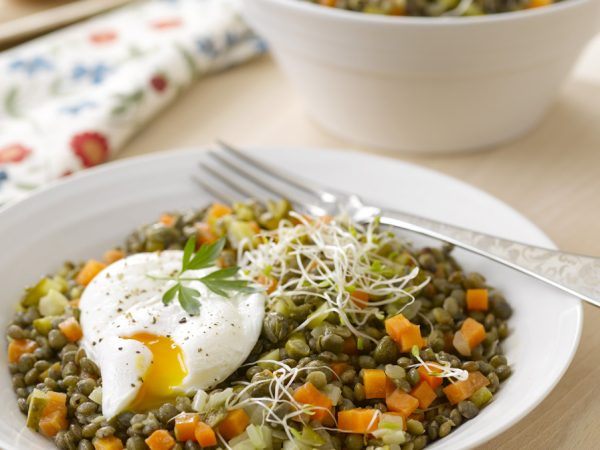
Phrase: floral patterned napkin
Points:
(71, 99)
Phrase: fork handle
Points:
(576, 274)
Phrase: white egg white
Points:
(124, 300)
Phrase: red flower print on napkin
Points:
(103, 37)
(91, 148)
(159, 82)
(13, 153)
(164, 24)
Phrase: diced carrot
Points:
(308, 394)
(397, 10)
(395, 326)
(74, 303)
(358, 420)
(401, 402)
(473, 331)
(57, 401)
(18, 347)
(269, 282)
(52, 423)
(349, 346)
(108, 443)
(185, 426)
(375, 381)
(216, 211)
(462, 390)
(330, 3)
(168, 220)
(204, 235)
(54, 416)
(477, 299)
(160, 440)
(205, 436)
(404, 333)
(89, 271)
(427, 376)
(339, 367)
(424, 393)
(538, 3)
(410, 338)
(114, 255)
(71, 329)
(234, 424)
(360, 298)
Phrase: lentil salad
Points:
(434, 8)
(394, 356)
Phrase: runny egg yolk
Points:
(165, 373)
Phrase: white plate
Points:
(83, 216)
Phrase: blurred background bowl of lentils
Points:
(427, 76)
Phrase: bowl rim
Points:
(355, 17)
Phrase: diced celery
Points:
(279, 209)
(43, 325)
(481, 397)
(391, 422)
(37, 402)
(243, 445)
(273, 355)
(333, 392)
(96, 395)
(34, 294)
(217, 399)
(238, 230)
(200, 400)
(239, 439)
(53, 303)
(61, 283)
(310, 437)
(260, 436)
(243, 211)
(319, 316)
(390, 437)
(283, 306)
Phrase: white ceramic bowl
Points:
(81, 217)
(425, 84)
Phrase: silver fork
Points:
(248, 177)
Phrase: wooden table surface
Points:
(552, 176)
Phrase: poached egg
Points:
(149, 352)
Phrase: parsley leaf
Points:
(221, 281)
(188, 299)
(170, 294)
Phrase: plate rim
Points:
(56, 186)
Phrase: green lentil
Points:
(85, 445)
(413, 377)
(503, 371)
(395, 372)
(105, 432)
(415, 427)
(498, 360)
(317, 378)
(366, 362)
(359, 392)
(468, 409)
(386, 351)
(445, 429)
(354, 442)
(420, 442)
